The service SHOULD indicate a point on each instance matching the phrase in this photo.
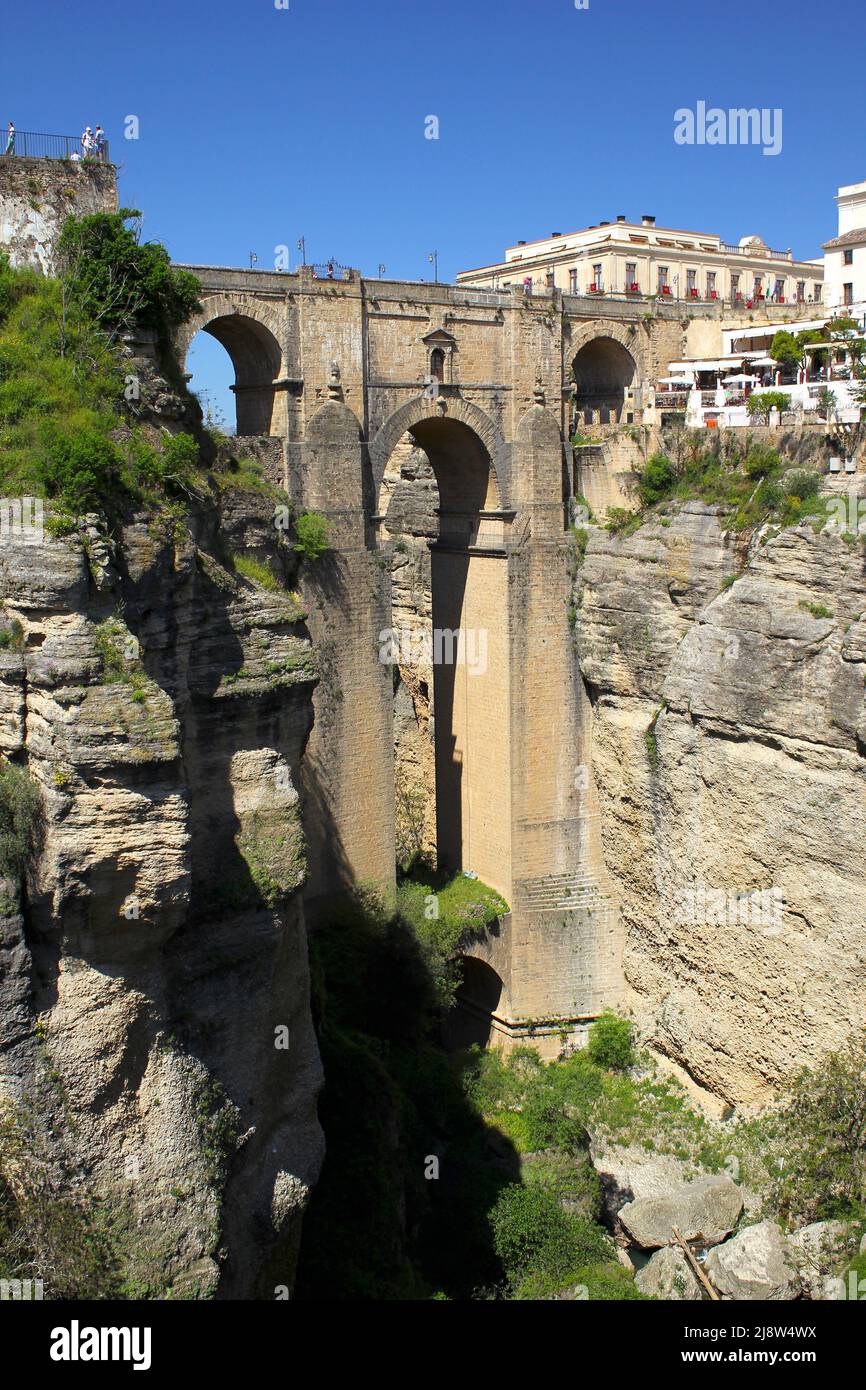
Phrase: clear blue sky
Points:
(259, 125)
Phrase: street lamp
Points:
(381, 270)
(433, 258)
(302, 247)
(253, 259)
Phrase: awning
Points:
(715, 364)
(799, 326)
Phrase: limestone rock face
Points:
(668, 1275)
(706, 1211)
(36, 197)
(161, 703)
(756, 1264)
(728, 751)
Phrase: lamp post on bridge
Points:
(433, 258)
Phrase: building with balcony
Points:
(639, 259)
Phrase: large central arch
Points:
(467, 637)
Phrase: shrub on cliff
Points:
(610, 1042)
(311, 530)
(119, 282)
(813, 1147)
(656, 479)
(19, 820)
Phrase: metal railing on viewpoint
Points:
(32, 144)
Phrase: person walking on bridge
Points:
(10, 139)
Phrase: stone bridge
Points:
(486, 384)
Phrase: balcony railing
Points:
(31, 144)
(755, 254)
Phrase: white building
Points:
(845, 255)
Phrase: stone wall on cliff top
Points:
(728, 742)
(162, 703)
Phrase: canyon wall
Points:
(158, 1048)
(728, 743)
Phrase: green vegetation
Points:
(818, 610)
(119, 657)
(64, 434)
(810, 1155)
(749, 481)
(11, 636)
(621, 521)
(655, 479)
(81, 1248)
(445, 911)
(114, 281)
(19, 820)
(610, 1042)
(258, 571)
(542, 1247)
(311, 530)
(762, 402)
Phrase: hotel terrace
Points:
(637, 260)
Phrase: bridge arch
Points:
(479, 1002)
(250, 334)
(605, 360)
(435, 422)
(456, 607)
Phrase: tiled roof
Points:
(854, 238)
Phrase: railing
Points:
(331, 270)
(30, 144)
(759, 253)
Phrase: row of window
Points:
(739, 284)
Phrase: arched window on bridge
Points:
(437, 364)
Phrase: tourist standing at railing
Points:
(99, 142)
(10, 140)
(87, 143)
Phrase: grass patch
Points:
(259, 572)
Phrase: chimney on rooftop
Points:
(556, 233)
(648, 220)
(521, 243)
(620, 217)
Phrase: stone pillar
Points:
(348, 769)
(564, 932)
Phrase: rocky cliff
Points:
(729, 750)
(158, 1049)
